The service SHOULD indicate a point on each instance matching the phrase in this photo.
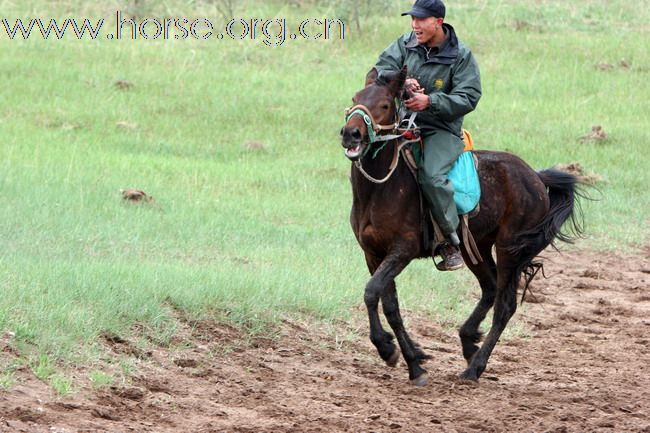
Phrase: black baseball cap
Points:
(427, 8)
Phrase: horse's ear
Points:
(397, 84)
(371, 76)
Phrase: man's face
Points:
(425, 28)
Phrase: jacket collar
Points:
(445, 53)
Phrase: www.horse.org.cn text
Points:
(271, 31)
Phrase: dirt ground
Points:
(583, 367)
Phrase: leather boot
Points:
(451, 256)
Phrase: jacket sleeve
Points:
(392, 58)
(465, 92)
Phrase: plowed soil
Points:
(581, 366)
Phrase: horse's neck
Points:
(375, 203)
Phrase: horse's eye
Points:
(385, 107)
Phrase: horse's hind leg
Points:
(383, 274)
(486, 273)
(412, 353)
(505, 305)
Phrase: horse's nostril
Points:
(356, 134)
(342, 130)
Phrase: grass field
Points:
(238, 144)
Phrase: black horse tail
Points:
(564, 190)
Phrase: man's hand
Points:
(418, 102)
(412, 86)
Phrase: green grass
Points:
(7, 373)
(99, 379)
(61, 384)
(253, 235)
(43, 368)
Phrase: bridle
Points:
(374, 128)
(404, 129)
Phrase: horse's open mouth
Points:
(354, 152)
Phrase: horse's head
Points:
(373, 110)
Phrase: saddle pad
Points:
(464, 177)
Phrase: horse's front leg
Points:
(382, 339)
(413, 355)
(382, 286)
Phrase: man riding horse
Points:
(523, 211)
(444, 84)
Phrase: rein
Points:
(410, 134)
(391, 170)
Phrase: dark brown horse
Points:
(521, 213)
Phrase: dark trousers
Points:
(440, 151)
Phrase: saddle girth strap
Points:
(468, 241)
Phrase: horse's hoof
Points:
(469, 374)
(394, 358)
(421, 380)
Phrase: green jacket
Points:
(448, 73)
